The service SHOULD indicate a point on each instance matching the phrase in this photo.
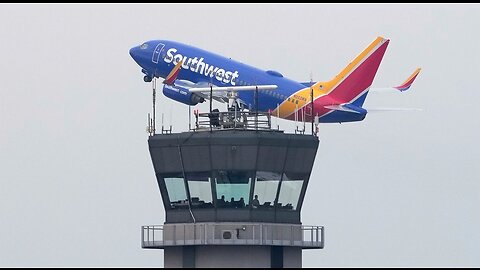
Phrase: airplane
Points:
(192, 74)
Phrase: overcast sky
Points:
(76, 178)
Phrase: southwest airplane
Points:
(192, 74)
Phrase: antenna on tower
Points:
(278, 116)
(311, 102)
(211, 94)
(154, 88)
(211, 100)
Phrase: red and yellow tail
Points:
(355, 79)
(351, 85)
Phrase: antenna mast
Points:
(154, 87)
(256, 107)
(311, 100)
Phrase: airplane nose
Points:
(134, 53)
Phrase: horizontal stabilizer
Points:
(346, 108)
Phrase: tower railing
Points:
(232, 120)
(269, 234)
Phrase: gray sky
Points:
(76, 179)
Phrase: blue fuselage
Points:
(158, 57)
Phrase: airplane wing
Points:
(233, 88)
(204, 89)
(220, 93)
(402, 87)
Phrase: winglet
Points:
(173, 74)
(407, 83)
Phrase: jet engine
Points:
(181, 94)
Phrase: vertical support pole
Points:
(296, 119)
(256, 107)
(235, 113)
(261, 234)
(211, 94)
(278, 116)
(189, 117)
(304, 117)
(291, 235)
(311, 102)
(149, 123)
(302, 230)
(206, 235)
(322, 233)
(253, 234)
(174, 234)
(148, 234)
(211, 99)
(311, 235)
(154, 88)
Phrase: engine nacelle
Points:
(182, 95)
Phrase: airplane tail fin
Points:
(351, 85)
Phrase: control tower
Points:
(233, 189)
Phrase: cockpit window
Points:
(144, 46)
